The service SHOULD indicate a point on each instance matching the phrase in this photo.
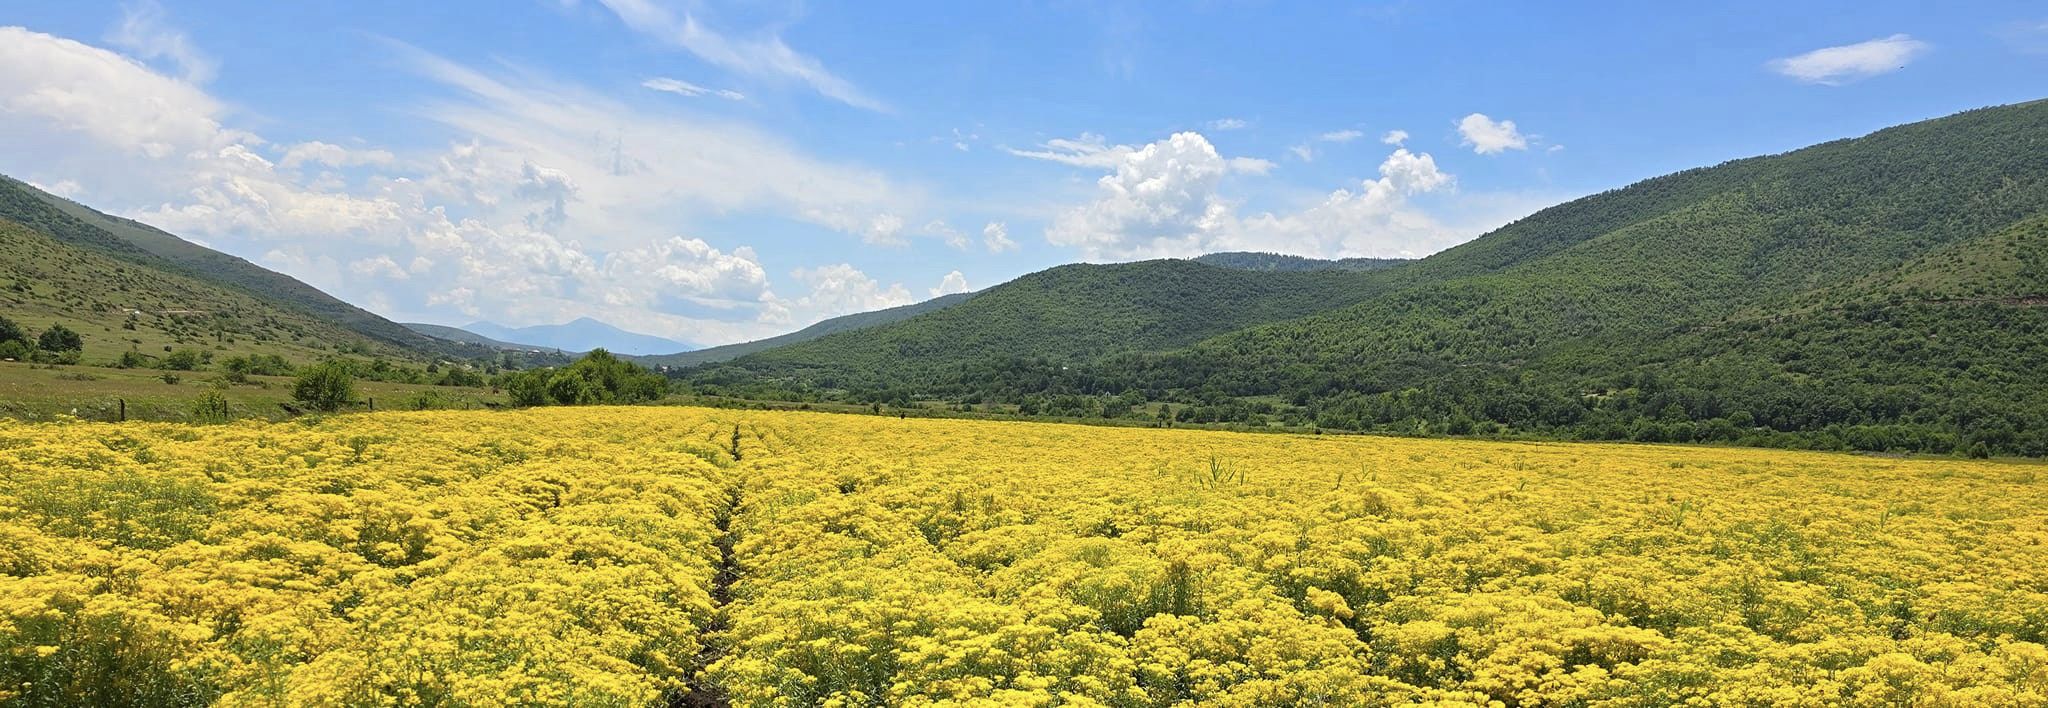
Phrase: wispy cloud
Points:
(1228, 124)
(1090, 150)
(1834, 66)
(685, 88)
(764, 56)
(145, 32)
(2030, 36)
(1306, 152)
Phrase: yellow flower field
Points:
(651, 556)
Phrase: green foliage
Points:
(59, 338)
(257, 365)
(15, 349)
(326, 386)
(526, 388)
(11, 332)
(597, 378)
(460, 376)
(184, 360)
(210, 407)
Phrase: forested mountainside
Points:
(1070, 314)
(1882, 292)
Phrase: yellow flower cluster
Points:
(578, 556)
(408, 559)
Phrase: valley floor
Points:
(651, 555)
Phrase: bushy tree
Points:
(257, 365)
(326, 386)
(184, 360)
(597, 378)
(526, 388)
(11, 332)
(59, 338)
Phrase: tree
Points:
(326, 386)
(59, 338)
(11, 332)
(527, 388)
(183, 360)
(571, 390)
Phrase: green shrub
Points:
(15, 349)
(11, 332)
(326, 386)
(59, 338)
(210, 407)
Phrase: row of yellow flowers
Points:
(569, 556)
(416, 559)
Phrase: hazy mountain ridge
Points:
(579, 335)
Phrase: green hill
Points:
(835, 325)
(142, 245)
(118, 306)
(1882, 292)
(1067, 315)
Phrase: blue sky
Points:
(714, 172)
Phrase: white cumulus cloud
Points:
(1833, 66)
(1487, 136)
(553, 203)
(1165, 200)
(954, 282)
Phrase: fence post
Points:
(124, 409)
(373, 404)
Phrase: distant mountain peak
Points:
(580, 335)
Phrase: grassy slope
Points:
(29, 392)
(142, 245)
(43, 282)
